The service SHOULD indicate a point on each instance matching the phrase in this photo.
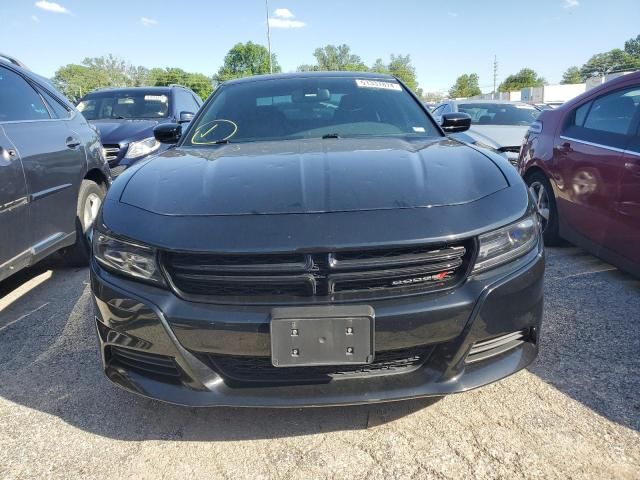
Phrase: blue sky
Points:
(444, 38)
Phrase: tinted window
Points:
(18, 100)
(185, 102)
(296, 108)
(125, 104)
(580, 114)
(500, 113)
(58, 110)
(614, 112)
(605, 120)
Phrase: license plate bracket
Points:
(322, 336)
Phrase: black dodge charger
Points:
(316, 239)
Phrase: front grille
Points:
(111, 152)
(496, 346)
(260, 369)
(144, 362)
(280, 278)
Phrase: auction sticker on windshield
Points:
(378, 84)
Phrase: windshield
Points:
(500, 113)
(125, 104)
(295, 108)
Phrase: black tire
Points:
(546, 202)
(77, 255)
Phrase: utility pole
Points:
(266, 4)
(495, 76)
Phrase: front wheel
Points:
(545, 200)
(90, 199)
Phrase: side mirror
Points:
(186, 117)
(168, 132)
(455, 122)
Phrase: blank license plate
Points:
(316, 336)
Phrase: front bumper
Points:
(146, 319)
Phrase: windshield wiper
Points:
(331, 135)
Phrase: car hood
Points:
(115, 131)
(312, 176)
(495, 136)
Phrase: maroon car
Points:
(581, 162)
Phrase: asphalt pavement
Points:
(575, 413)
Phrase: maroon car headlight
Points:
(507, 243)
(127, 258)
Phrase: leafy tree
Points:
(379, 67)
(612, 61)
(246, 59)
(115, 69)
(466, 86)
(335, 58)
(74, 81)
(109, 71)
(199, 83)
(524, 78)
(632, 47)
(572, 75)
(400, 66)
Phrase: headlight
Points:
(127, 258)
(142, 148)
(507, 243)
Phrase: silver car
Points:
(495, 124)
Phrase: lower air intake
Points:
(144, 362)
(260, 369)
(496, 346)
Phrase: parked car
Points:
(495, 124)
(52, 173)
(314, 239)
(582, 164)
(125, 118)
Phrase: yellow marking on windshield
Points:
(216, 123)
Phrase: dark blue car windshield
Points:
(293, 108)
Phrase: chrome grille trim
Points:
(496, 346)
(111, 152)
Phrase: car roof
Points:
(477, 100)
(330, 74)
(132, 89)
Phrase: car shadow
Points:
(590, 339)
(49, 362)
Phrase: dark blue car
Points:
(125, 118)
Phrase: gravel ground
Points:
(574, 414)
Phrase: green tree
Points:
(572, 75)
(74, 81)
(246, 59)
(198, 82)
(632, 47)
(466, 86)
(116, 70)
(612, 61)
(524, 78)
(335, 58)
(379, 67)
(400, 66)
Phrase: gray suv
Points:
(53, 175)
